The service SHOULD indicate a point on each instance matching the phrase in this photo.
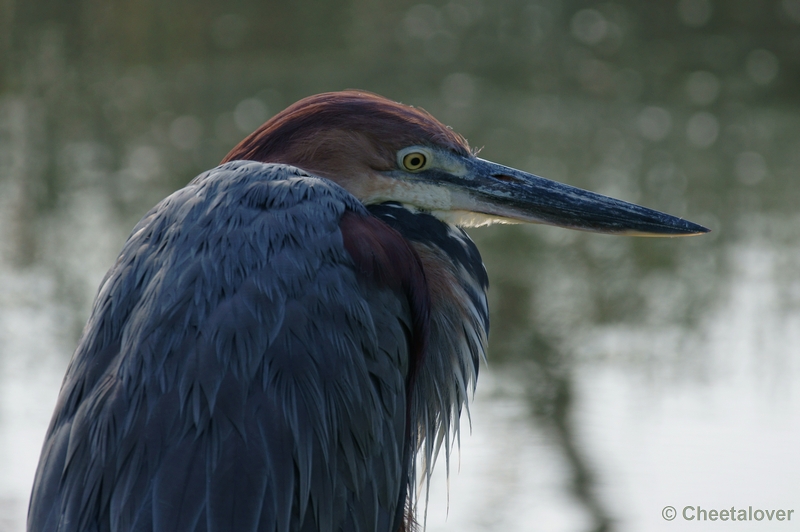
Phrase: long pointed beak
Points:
(496, 190)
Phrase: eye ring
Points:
(414, 161)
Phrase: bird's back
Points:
(245, 368)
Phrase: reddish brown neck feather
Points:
(382, 256)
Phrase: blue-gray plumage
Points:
(278, 340)
(234, 327)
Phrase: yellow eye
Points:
(414, 161)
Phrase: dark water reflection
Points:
(689, 107)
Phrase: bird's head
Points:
(380, 151)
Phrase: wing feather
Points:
(238, 372)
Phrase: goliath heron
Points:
(278, 340)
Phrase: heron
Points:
(281, 344)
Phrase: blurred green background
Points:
(612, 360)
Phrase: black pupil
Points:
(416, 161)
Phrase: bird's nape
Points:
(280, 339)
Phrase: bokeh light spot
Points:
(695, 13)
(422, 21)
(249, 114)
(750, 168)
(762, 66)
(589, 26)
(229, 31)
(792, 8)
(702, 129)
(654, 123)
(459, 90)
(702, 88)
(185, 132)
